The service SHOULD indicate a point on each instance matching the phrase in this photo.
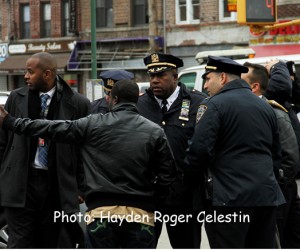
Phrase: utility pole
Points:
(93, 40)
(164, 25)
(153, 30)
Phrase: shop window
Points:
(71, 80)
(225, 15)
(25, 21)
(46, 20)
(140, 13)
(104, 13)
(187, 11)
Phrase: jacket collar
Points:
(62, 89)
(62, 86)
(235, 84)
(129, 106)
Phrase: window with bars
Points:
(187, 11)
(224, 14)
(24, 21)
(104, 13)
(46, 20)
(65, 18)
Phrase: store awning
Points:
(16, 64)
(124, 53)
(276, 50)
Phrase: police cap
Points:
(109, 77)
(223, 64)
(291, 67)
(158, 62)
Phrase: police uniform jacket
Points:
(178, 130)
(236, 137)
(280, 90)
(17, 152)
(126, 158)
(99, 106)
(288, 143)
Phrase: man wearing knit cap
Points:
(109, 78)
(171, 105)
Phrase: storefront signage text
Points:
(41, 47)
(284, 35)
(3, 51)
(44, 47)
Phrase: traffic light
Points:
(256, 12)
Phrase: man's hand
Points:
(3, 114)
(80, 199)
(270, 64)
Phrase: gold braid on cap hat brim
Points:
(162, 63)
(211, 67)
(154, 70)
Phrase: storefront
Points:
(281, 41)
(13, 67)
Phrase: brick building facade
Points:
(123, 32)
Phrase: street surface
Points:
(164, 243)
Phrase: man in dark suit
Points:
(171, 105)
(46, 176)
(236, 142)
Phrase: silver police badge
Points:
(201, 110)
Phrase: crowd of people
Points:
(227, 161)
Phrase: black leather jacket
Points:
(126, 158)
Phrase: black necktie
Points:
(164, 108)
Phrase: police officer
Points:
(296, 85)
(289, 213)
(108, 77)
(236, 140)
(171, 105)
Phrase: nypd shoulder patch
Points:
(201, 110)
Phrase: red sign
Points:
(283, 35)
(231, 5)
(289, 30)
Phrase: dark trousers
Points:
(182, 234)
(105, 234)
(255, 231)
(288, 220)
(33, 226)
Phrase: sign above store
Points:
(3, 51)
(59, 46)
(284, 35)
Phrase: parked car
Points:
(143, 86)
(191, 76)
